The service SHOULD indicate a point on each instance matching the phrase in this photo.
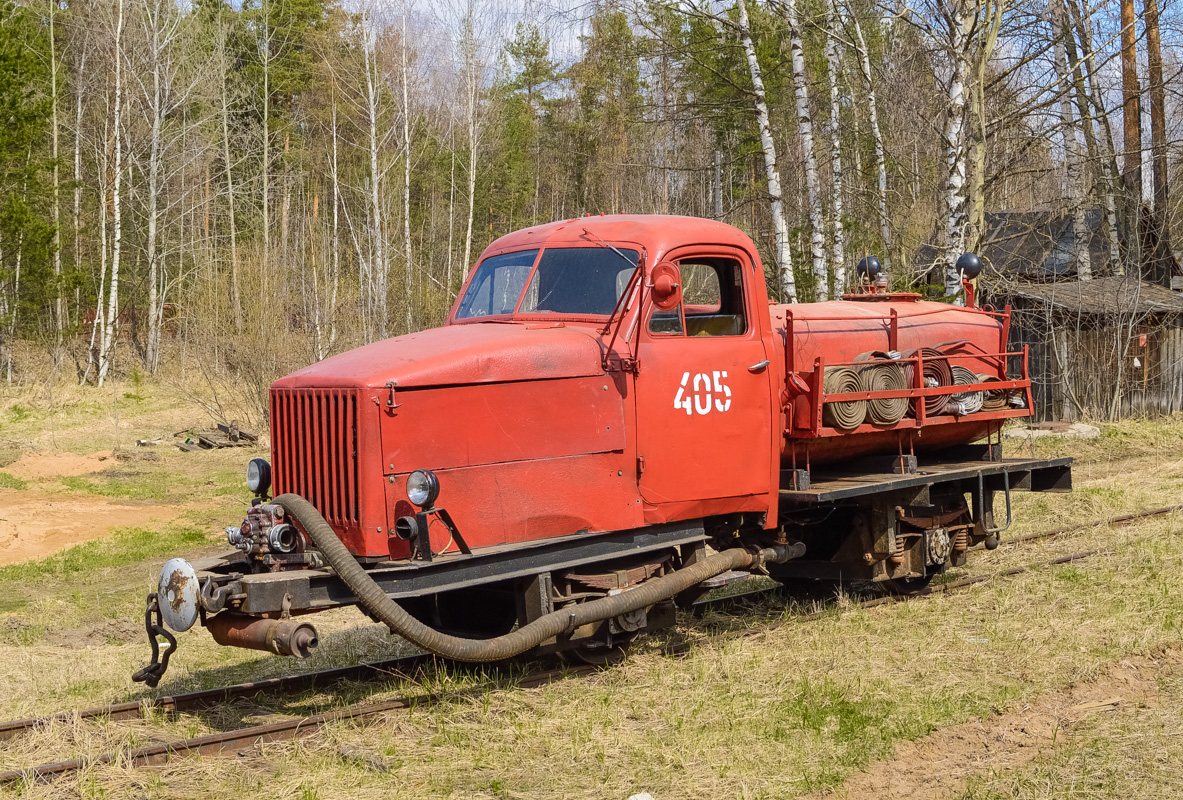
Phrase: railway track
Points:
(240, 739)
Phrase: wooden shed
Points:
(1106, 348)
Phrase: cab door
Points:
(702, 389)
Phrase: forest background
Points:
(235, 190)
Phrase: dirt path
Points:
(35, 525)
(940, 764)
(40, 466)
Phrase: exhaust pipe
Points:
(284, 637)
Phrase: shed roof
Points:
(1106, 295)
(1032, 244)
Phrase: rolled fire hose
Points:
(936, 373)
(370, 595)
(964, 403)
(847, 414)
(996, 399)
(882, 374)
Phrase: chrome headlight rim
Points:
(258, 476)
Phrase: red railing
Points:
(816, 397)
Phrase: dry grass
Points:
(770, 710)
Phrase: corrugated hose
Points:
(565, 620)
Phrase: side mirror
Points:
(666, 285)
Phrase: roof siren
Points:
(871, 274)
(969, 266)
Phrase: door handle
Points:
(763, 365)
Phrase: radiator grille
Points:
(314, 446)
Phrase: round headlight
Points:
(258, 475)
(423, 487)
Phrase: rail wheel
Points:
(905, 586)
(598, 654)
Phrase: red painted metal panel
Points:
(459, 354)
(522, 501)
(462, 426)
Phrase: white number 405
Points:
(698, 397)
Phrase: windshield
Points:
(497, 285)
(567, 280)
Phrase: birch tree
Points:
(864, 63)
(780, 226)
(107, 344)
(1073, 158)
(1092, 107)
(834, 66)
(958, 19)
(817, 236)
(59, 311)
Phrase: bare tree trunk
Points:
(159, 36)
(266, 162)
(992, 12)
(1074, 160)
(780, 226)
(108, 344)
(378, 310)
(1084, 26)
(1162, 260)
(235, 284)
(407, 172)
(77, 255)
(1132, 145)
(470, 95)
(960, 21)
(817, 237)
(285, 207)
(14, 309)
(834, 64)
(864, 62)
(98, 327)
(451, 200)
(336, 257)
(59, 315)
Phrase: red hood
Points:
(459, 354)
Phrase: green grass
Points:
(125, 546)
(8, 481)
(131, 485)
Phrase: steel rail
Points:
(244, 738)
(236, 741)
(1123, 519)
(138, 709)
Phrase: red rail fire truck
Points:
(615, 417)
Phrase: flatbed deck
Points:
(1019, 474)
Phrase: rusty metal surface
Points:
(283, 637)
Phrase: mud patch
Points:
(115, 631)
(42, 466)
(35, 526)
(940, 764)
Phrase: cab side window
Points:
(712, 301)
